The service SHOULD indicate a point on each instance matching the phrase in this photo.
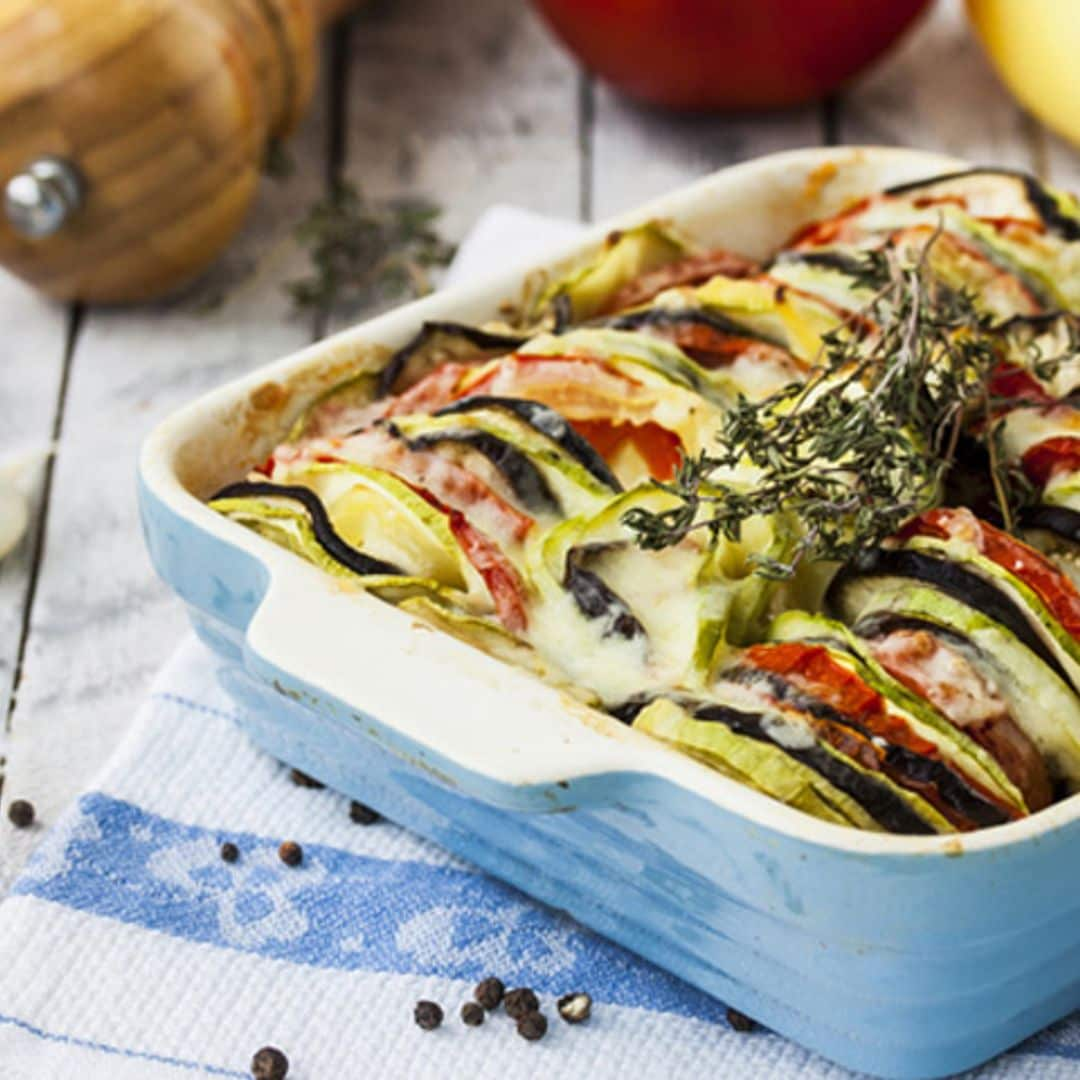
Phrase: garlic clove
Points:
(14, 516)
(16, 476)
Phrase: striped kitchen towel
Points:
(130, 949)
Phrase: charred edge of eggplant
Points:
(525, 479)
(484, 340)
(886, 807)
(1041, 199)
(595, 599)
(966, 587)
(951, 787)
(1059, 520)
(549, 423)
(637, 320)
(841, 261)
(627, 711)
(1044, 320)
(562, 311)
(880, 624)
(324, 531)
(968, 481)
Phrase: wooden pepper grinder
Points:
(133, 132)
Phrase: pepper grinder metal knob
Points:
(45, 195)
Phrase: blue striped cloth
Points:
(130, 949)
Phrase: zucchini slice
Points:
(625, 255)
(547, 422)
(638, 356)
(773, 754)
(294, 518)
(796, 320)
(754, 363)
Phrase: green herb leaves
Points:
(867, 441)
(363, 254)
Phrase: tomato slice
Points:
(829, 231)
(448, 481)
(660, 449)
(1055, 590)
(499, 576)
(525, 373)
(437, 388)
(1018, 226)
(1016, 384)
(1047, 459)
(689, 270)
(812, 669)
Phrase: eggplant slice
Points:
(964, 184)
(523, 477)
(947, 576)
(332, 544)
(597, 600)
(1059, 520)
(547, 422)
(437, 342)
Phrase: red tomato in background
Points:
(728, 54)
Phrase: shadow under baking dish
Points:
(903, 957)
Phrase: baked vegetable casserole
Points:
(812, 521)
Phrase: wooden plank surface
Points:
(937, 91)
(467, 104)
(638, 153)
(32, 355)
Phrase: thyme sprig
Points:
(363, 254)
(866, 442)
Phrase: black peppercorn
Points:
(291, 853)
(489, 993)
(532, 1026)
(229, 851)
(21, 814)
(269, 1063)
(301, 779)
(519, 1002)
(471, 1014)
(740, 1021)
(361, 814)
(428, 1015)
(575, 1007)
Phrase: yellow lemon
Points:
(1035, 45)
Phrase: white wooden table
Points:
(468, 103)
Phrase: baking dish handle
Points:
(493, 731)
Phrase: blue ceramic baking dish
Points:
(900, 956)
